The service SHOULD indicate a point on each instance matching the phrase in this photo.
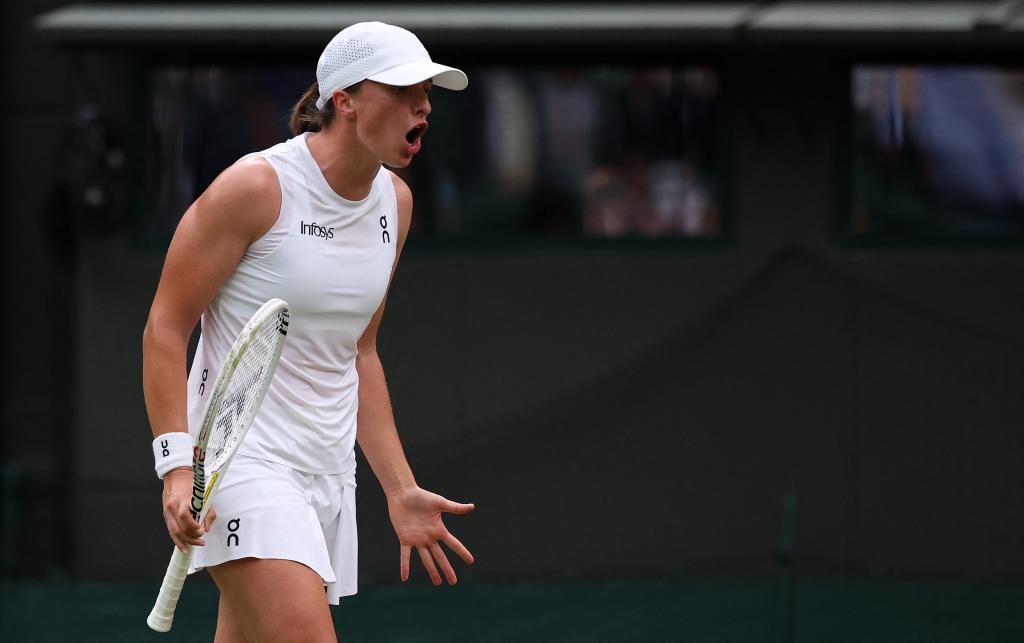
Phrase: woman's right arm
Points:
(238, 208)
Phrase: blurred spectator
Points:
(948, 150)
(601, 152)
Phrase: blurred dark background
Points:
(731, 292)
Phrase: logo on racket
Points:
(199, 488)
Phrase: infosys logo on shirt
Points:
(314, 230)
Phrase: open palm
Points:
(416, 516)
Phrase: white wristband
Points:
(172, 450)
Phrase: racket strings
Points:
(243, 392)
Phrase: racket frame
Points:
(162, 615)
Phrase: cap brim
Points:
(417, 71)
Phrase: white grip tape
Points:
(171, 451)
(170, 590)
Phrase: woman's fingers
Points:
(177, 541)
(181, 541)
(404, 564)
(456, 546)
(188, 530)
(428, 563)
(186, 522)
(210, 517)
(189, 540)
(448, 506)
(442, 560)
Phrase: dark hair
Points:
(306, 117)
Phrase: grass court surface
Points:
(698, 610)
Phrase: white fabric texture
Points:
(330, 259)
(269, 511)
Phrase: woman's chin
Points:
(401, 160)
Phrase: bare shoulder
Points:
(246, 194)
(253, 172)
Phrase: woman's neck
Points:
(348, 167)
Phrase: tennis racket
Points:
(234, 400)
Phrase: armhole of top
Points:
(392, 197)
(272, 239)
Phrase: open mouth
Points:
(416, 133)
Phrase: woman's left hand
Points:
(416, 516)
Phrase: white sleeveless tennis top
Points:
(330, 259)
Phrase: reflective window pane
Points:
(938, 154)
(574, 152)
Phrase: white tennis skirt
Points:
(269, 510)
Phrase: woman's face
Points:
(390, 121)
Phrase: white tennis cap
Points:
(383, 53)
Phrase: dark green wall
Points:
(614, 413)
(36, 280)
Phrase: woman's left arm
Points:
(415, 513)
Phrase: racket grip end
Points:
(162, 615)
(159, 623)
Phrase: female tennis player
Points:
(319, 222)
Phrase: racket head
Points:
(236, 396)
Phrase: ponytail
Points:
(306, 116)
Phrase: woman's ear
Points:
(344, 104)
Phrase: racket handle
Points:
(167, 600)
